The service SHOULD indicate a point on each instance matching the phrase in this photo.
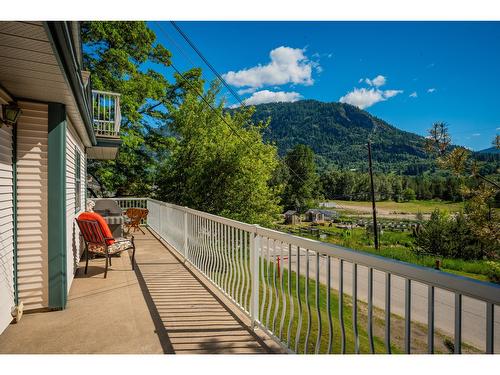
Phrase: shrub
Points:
(493, 272)
(409, 195)
(448, 236)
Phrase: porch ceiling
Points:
(29, 69)
(102, 152)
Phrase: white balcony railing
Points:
(106, 112)
(315, 297)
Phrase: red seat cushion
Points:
(102, 223)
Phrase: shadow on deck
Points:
(162, 307)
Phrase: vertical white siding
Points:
(6, 228)
(74, 247)
(32, 214)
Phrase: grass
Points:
(394, 245)
(413, 207)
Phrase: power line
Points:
(198, 52)
(200, 95)
(185, 54)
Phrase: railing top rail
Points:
(219, 219)
(487, 292)
(121, 198)
(106, 93)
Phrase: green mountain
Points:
(491, 150)
(338, 134)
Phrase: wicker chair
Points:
(135, 215)
(96, 242)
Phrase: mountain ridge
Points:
(338, 133)
(489, 150)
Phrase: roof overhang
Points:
(39, 62)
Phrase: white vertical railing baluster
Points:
(218, 254)
(254, 274)
(239, 288)
(185, 242)
(233, 263)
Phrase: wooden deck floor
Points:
(193, 316)
(162, 307)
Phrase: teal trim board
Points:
(14, 209)
(56, 206)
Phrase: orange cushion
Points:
(102, 223)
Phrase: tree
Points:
(219, 163)
(122, 57)
(438, 140)
(449, 236)
(409, 195)
(302, 186)
(482, 220)
(397, 188)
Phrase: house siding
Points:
(32, 210)
(74, 245)
(6, 227)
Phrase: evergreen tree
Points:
(302, 186)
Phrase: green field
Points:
(424, 207)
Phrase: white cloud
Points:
(390, 93)
(364, 98)
(266, 96)
(431, 90)
(378, 81)
(414, 94)
(287, 65)
(246, 91)
(476, 134)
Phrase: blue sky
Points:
(410, 74)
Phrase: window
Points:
(78, 180)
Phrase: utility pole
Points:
(374, 210)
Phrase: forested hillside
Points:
(338, 133)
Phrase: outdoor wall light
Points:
(10, 114)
